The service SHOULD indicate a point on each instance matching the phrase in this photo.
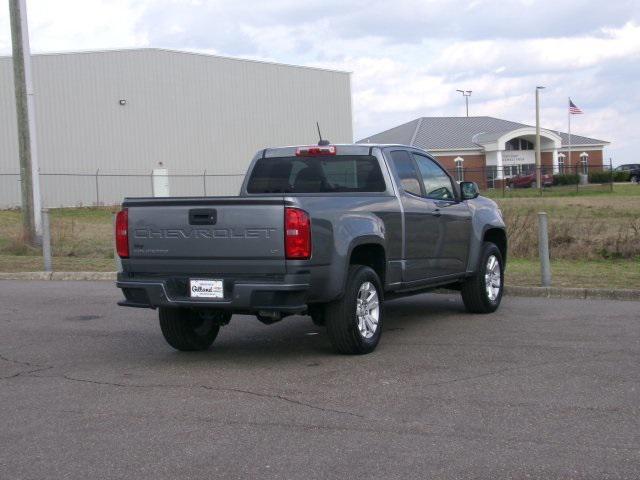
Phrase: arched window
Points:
(459, 168)
(561, 159)
(518, 144)
(584, 162)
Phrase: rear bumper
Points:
(288, 295)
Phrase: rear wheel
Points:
(482, 292)
(354, 322)
(188, 330)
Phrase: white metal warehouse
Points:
(106, 114)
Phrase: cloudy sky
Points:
(408, 57)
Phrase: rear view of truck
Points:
(201, 259)
(321, 230)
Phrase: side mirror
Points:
(469, 190)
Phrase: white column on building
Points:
(555, 160)
(459, 162)
(499, 168)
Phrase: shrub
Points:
(600, 177)
(621, 176)
(566, 179)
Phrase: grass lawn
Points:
(619, 189)
(32, 263)
(593, 227)
(594, 238)
(75, 232)
(622, 274)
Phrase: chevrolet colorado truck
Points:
(329, 231)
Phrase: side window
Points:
(406, 171)
(437, 184)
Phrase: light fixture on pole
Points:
(538, 154)
(466, 94)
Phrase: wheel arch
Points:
(369, 251)
(498, 237)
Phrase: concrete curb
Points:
(515, 291)
(106, 276)
(582, 293)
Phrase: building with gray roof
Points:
(491, 148)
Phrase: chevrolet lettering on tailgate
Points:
(258, 232)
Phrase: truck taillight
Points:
(316, 151)
(122, 233)
(297, 234)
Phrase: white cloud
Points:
(407, 57)
(77, 25)
(542, 54)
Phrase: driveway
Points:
(541, 389)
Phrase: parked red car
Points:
(529, 180)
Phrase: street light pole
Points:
(25, 115)
(466, 94)
(538, 154)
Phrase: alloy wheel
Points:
(493, 278)
(367, 310)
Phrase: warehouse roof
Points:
(181, 52)
(454, 133)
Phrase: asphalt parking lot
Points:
(541, 389)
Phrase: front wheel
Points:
(482, 292)
(188, 330)
(354, 322)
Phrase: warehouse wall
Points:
(191, 112)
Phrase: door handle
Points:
(203, 216)
(437, 212)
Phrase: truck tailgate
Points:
(221, 234)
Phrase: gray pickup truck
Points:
(324, 230)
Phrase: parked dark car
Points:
(633, 169)
(328, 230)
(528, 180)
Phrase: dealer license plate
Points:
(206, 288)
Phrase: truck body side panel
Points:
(339, 223)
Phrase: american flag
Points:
(573, 109)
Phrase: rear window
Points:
(325, 174)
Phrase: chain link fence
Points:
(88, 189)
(525, 180)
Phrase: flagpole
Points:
(569, 118)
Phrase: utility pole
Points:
(538, 154)
(466, 94)
(25, 114)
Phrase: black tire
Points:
(342, 321)
(186, 330)
(474, 291)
